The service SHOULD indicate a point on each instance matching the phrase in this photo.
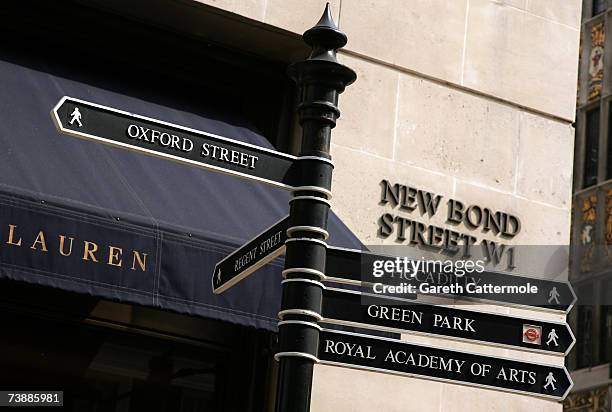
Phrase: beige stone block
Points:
(423, 35)
(357, 190)
(456, 133)
(457, 398)
(540, 224)
(521, 4)
(545, 160)
(342, 389)
(565, 12)
(368, 109)
(298, 15)
(521, 57)
(253, 9)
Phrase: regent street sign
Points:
(169, 141)
(254, 254)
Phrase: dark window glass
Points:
(609, 162)
(598, 6)
(606, 334)
(584, 347)
(592, 148)
(605, 325)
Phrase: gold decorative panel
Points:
(587, 231)
(596, 57)
(594, 400)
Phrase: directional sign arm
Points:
(352, 308)
(396, 357)
(354, 266)
(255, 253)
(118, 128)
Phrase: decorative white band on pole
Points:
(296, 355)
(315, 198)
(302, 280)
(319, 158)
(318, 189)
(315, 272)
(312, 229)
(306, 239)
(300, 322)
(303, 312)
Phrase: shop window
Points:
(599, 6)
(104, 366)
(591, 148)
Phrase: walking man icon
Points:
(75, 116)
(552, 337)
(550, 381)
(553, 295)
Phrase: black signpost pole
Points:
(320, 80)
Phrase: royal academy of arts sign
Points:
(396, 357)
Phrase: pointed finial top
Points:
(325, 33)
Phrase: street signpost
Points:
(352, 266)
(118, 128)
(352, 308)
(254, 254)
(359, 351)
(309, 260)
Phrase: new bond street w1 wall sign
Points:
(392, 356)
(352, 308)
(117, 128)
(255, 253)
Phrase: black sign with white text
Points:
(245, 260)
(351, 308)
(183, 145)
(393, 356)
(353, 266)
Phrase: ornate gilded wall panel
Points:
(594, 400)
(587, 232)
(596, 66)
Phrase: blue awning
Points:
(158, 227)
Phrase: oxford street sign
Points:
(118, 128)
(352, 266)
(392, 356)
(353, 308)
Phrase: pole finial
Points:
(325, 33)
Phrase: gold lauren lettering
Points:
(142, 262)
(114, 256)
(89, 252)
(10, 240)
(40, 239)
(61, 246)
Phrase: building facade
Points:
(469, 101)
(591, 232)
